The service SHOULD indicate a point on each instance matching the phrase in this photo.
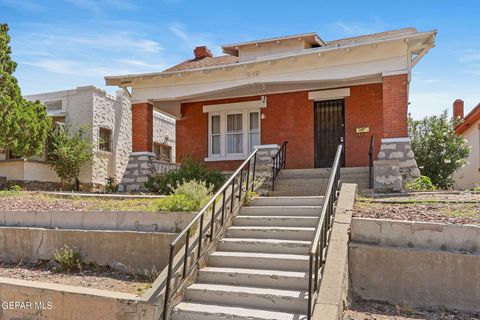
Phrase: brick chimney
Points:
(458, 109)
(202, 52)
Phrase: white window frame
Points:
(245, 112)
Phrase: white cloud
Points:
(355, 29)
(179, 32)
(141, 63)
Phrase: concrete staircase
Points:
(313, 182)
(260, 268)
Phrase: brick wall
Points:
(395, 106)
(289, 116)
(142, 127)
(363, 108)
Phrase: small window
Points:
(234, 134)
(105, 139)
(54, 106)
(254, 130)
(215, 135)
(162, 152)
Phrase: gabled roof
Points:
(203, 62)
(310, 37)
(373, 36)
(471, 118)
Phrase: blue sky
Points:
(64, 44)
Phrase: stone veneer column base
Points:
(264, 166)
(395, 166)
(140, 166)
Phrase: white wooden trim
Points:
(236, 106)
(329, 94)
(392, 140)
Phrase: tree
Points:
(68, 152)
(439, 151)
(24, 124)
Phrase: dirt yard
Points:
(33, 201)
(455, 208)
(368, 310)
(89, 276)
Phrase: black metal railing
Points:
(279, 161)
(370, 162)
(196, 237)
(321, 239)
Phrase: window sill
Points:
(228, 158)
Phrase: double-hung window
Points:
(233, 130)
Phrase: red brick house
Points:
(301, 89)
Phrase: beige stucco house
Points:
(468, 176)
(109, 122)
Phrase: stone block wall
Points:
(396, 165)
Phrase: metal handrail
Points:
(279, 162)
(226, 210)
(321, 239)
(370, 162)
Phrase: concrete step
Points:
(200, 311)
(311, 182)
(262, 232)
(250, 297)
(265, 261)
(254, 277)
(287, 201)
(264, 245)
(304, 173)
(282, 221)
(281, 211)
(300, 192)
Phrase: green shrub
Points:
(68, 258)
(190, 170)
(197, 191)
(188, 196)
(422, 183)
(11, 191)
(111, 185)
(177, 202)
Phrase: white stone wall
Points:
(93, 108)
(468, 176)
(164, 131)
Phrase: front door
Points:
(329, 131)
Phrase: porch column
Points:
(395, 106)
(141, 161)
(396, 163)
(142, 127)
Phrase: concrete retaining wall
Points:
(418, 264)
(98, 220)
(139, 250)
(60, 302)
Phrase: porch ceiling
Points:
(172, 106)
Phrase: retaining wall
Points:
(415, 263)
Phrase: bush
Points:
(189, 196)
(197, 191)
(190, 170)
(13, 190)
(422, 183)
(177, 202)
(438, 149)
(111, 185)
(68, 258)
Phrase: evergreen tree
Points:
(24, 125)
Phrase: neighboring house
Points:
(108, 121)
(301, 89)
(468, 176)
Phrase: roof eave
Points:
(125, 80)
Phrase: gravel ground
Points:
(368, 310)
(437, 207)
(91, 277)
